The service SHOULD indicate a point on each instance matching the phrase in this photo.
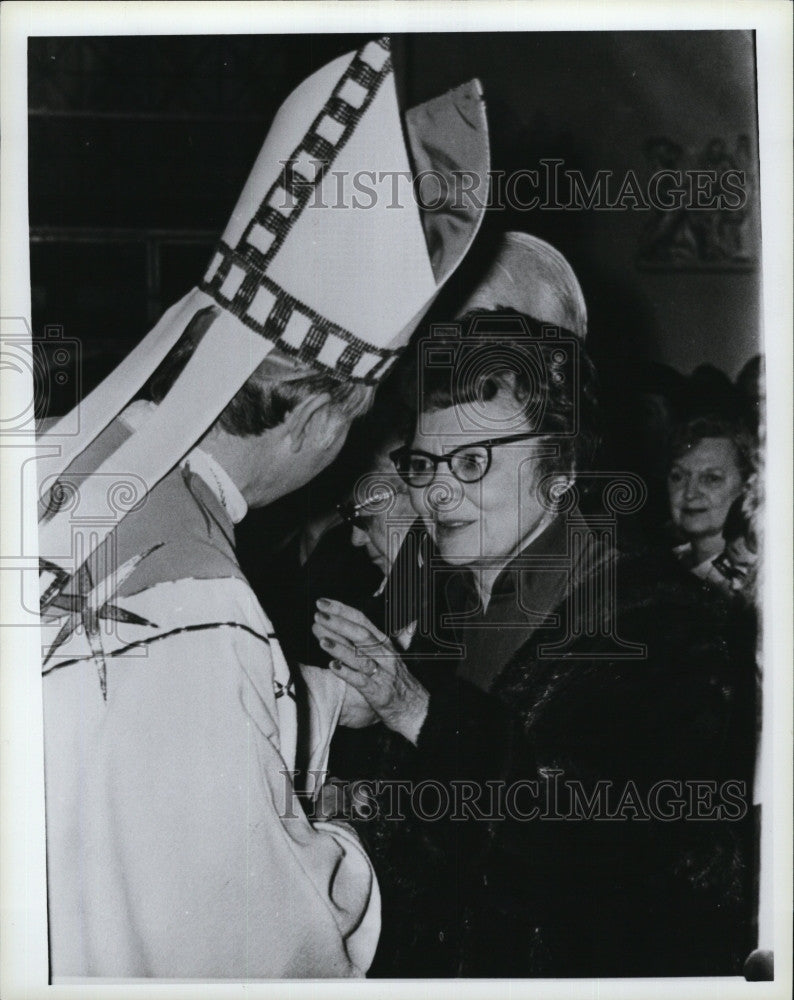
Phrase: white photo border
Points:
(23, 873)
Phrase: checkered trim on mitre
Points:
(238, 278)
(294, 327)
(334, 283)
(333, 277)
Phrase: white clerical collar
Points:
(217, 478)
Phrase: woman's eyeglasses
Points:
(468, 463)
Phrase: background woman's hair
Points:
(689, 433)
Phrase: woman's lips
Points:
(448, 528)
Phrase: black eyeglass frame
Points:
(446, 458)
(355, 514)
(358, 514)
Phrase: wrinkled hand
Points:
(366, 659)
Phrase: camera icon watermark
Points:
(40, 374)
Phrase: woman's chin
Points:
(695, 526)
(459, 544)
(454, 557)
(696, 529)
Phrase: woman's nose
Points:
(358, 537)
(692, 487)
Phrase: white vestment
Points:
(176, 846)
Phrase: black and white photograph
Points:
(396, 459)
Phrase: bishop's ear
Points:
(314, 420)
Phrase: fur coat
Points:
(650, 759)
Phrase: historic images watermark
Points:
(549, 797)
(551, 186)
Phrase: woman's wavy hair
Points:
(545, 369)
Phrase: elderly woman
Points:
(524, 270)
(566, 704)
(711, 461)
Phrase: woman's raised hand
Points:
(366, 659)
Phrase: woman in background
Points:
(711, 461)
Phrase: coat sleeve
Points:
(466, 732)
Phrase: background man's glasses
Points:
(359, 515)
(353, 514)
(468, 463)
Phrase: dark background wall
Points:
(139, 146)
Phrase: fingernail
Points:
(335, 665)
(326, 643)
(323, 615)
(323, 602)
